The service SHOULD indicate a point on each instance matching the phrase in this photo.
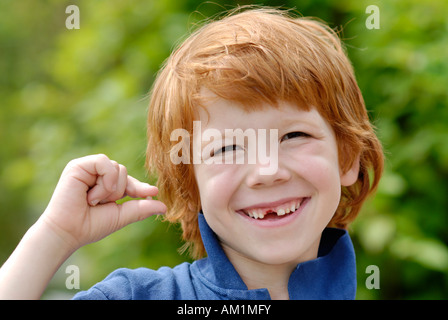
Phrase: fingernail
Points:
(94, 202)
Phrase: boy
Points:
(268, 234)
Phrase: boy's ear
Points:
(350, 176)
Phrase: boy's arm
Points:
(33, 263)
(82, 210)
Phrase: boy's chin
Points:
(280, 255)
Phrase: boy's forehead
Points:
(217, 112)
(208, 100)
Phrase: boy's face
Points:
(297, 201)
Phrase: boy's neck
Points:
(274, 277)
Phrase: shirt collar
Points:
(332, 275)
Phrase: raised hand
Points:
(81, 210)
(83, 207)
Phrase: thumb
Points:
(137, 210)
(110, 217)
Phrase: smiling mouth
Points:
(278, 211)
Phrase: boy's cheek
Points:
(215, 186)
(316, 169)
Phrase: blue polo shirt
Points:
(332, 275)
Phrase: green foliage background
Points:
(68, 93)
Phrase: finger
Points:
(100, 194)
(137, 210)
(87, 169)
(97, 193)
(94, 166)
(120, 191)
(138, 189)
(109, 170)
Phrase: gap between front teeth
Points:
(282, 210)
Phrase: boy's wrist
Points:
(45, 236)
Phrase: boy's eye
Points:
(295, 134)
(227, 148)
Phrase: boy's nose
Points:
(260, 175)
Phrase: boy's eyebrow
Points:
(294, 120)
(305, 118)
(307, 121)
(282, 122)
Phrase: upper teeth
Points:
(280, 210)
